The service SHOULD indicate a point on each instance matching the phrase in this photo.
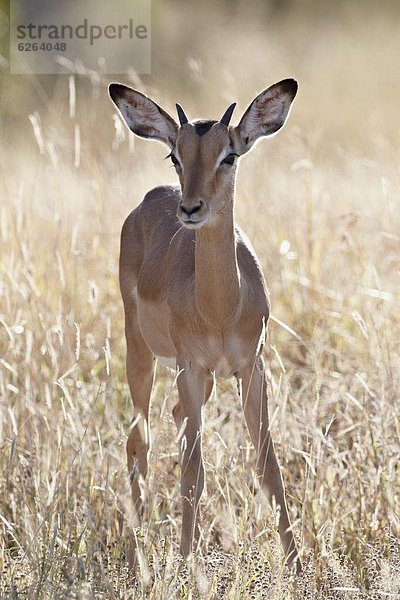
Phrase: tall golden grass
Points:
(320, 203)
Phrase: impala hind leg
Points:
(140, 374)
(255, 405)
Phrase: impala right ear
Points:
(143, 116)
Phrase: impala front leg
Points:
(255, 405)
(192, 388)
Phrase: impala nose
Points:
(191, 210)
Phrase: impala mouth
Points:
(193, 224)
(193, 221)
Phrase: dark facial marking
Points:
(201, 127)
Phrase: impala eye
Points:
(175, 161)
(230, 159)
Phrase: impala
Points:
(194, 294)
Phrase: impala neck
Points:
(217, 283)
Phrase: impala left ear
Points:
(267, 113)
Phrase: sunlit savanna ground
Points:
(320, 203)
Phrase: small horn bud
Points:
(181, 114)
(228, 114)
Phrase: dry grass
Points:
(321, 205)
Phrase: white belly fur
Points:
(166, 361)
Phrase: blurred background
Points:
(320, 203)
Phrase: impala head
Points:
(205, 153)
